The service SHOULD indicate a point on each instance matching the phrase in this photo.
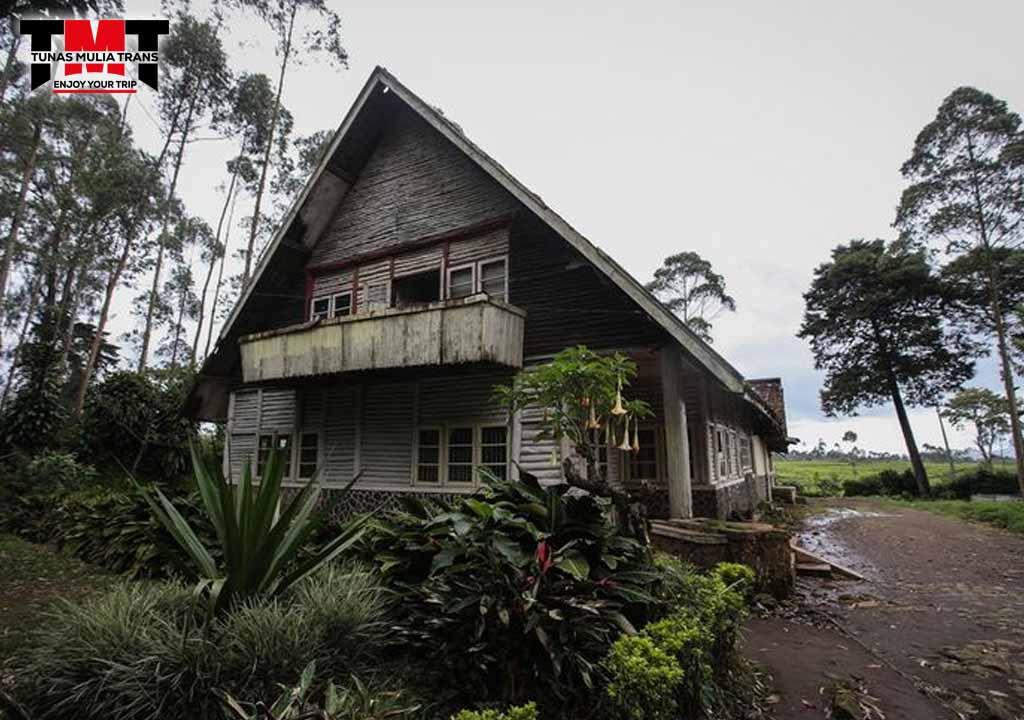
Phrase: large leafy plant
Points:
(516, 592)
(259, 543)
(580, 395)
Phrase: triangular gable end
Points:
(309, 217)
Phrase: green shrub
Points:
(52, 470)
(736, 576)
(830, 486)
(699, 636)
(135, 419)
(522, 712)
(113, 529)
(644, 679)
(515, 594)
(149, 650)
(886, 482)
(982, 481)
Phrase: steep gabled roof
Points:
(311, 210)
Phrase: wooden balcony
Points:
(452, 332)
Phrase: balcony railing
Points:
(476, 329)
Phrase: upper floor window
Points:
(461, 281)
(487, 276)
(341, 305)
(320, 308)
(494, 278)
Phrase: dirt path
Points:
(937, 631)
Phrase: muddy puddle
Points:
(819, 536)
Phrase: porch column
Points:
(677, 444)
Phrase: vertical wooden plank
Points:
(357, 459)
(677, 451)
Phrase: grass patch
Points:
(1008, 515)
(816, 477)
(31, 578)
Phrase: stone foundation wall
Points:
(734, 500)
(705, 543)
(342, 505)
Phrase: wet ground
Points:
(935, 631)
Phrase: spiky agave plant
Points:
(259, 542)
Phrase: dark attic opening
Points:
(418, 289)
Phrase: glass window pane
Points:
(493, 435)
(460, 473)
(430, 437)
(428, 455)
(427, 474)
(342, 305)
(460, 436)
(320, 308)
(460, 283)
(492, 279)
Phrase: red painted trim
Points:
(470, 231)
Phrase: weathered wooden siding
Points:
(329, 283)
(386, 434)
(367, 427)
(416, 185)
(567, 301)
(471, 330)
(493, 243)
(340, 436)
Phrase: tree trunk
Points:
(945, 442)
(220, 277)
(33, 297)
(1011, 395)
(999, 321)
(266, 154)
(920, 475)
(209, 270)
(147, 331)
(101, 324)
(19, 212)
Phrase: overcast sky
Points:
(758, 134)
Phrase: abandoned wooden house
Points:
(412, 274)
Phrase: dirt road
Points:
(937, 631)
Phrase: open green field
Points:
(808, 475)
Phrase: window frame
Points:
(440, 430)
(334, 304)
(298, 448)
(444, 429)
(313, 314)
(289, 438)
(503, 259)
(659, 468)
(474, 448)
(507, 444)
(449, 271)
